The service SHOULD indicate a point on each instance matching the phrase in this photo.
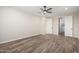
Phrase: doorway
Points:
(61, 26)
(66, 25)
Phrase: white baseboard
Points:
(18, 38)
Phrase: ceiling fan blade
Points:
(49, 9)
(49, 12)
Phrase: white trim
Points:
(18, 39)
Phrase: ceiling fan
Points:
(45, 10)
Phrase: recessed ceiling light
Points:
(66, 8)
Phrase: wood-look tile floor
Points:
(42, 44)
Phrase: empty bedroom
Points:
(39, 29)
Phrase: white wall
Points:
(0, 23)
(46, 25)
(43, 25)
(55, 25)
(68, 20)
(49, 26)
(16, 24)
(76, 26)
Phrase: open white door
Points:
(68, 25)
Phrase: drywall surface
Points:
(16, 24)
(55, 24)
(76, 26)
